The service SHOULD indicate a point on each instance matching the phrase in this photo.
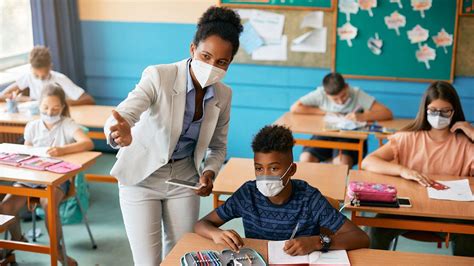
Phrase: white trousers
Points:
(155, 212)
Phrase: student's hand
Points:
(355, 116)
(121, 132)
(414, 175)
(230, 238)
(56, 151)
(302, 245)
(206, 182)
(464, 126)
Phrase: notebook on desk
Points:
(278, 257)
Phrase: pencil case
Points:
(245, 257)
(371, 192)
(15, 159)
(39, 163)
(63, 167)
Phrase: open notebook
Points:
(278, 257)
(340, 122)
(23, 149)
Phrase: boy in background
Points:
(336, 96)
(41, 75)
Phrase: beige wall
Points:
(172, 11)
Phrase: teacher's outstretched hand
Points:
(121, 132)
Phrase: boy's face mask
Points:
(271, 186)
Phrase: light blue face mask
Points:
(271, 186)
(50, 119)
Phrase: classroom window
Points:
(16, 33)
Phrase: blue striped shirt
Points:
(264, 220)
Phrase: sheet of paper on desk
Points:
(311, 42)
(458, 190)
(268, 25)
(276, 256)
(272, 52)
(338, 121)
(22, 149)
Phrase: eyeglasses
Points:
(441, 112)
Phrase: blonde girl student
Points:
(55, 129)
(439, 142)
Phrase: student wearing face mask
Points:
(54, 129)
(41, 74)
(439, 142)
(336, 96)
(174, 124)
(273, 204)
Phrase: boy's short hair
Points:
(273, 138)
(333, 83)
(40, 57)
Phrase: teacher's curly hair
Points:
(220, 21)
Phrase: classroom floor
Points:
(107, 227)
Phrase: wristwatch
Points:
(325, 242)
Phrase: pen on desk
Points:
(294, 231)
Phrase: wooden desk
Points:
(92, 116)
(330, 179)
(396, 124)
(422, 207)
(193, 242)
(51, 180)
(314, 125)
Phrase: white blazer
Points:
(155, 111)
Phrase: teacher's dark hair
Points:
(437, 90)
(220, 21)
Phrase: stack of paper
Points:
(458, 190)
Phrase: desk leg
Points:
(361, 153)
(216, 199)
(380, 142)
(53, 237)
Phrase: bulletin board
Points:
(281, 4)
(397, 60)
(465, 47)
(467, 8)
(292, 29)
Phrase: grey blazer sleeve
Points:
(137, 102)
(217, 150)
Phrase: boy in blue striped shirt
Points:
(272, 205)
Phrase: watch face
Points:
(326, 239)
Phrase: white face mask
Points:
(206, 74)
(438, 121)
(341, 106)
(50, 119)
(271, 186)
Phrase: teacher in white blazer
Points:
(174, 124)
